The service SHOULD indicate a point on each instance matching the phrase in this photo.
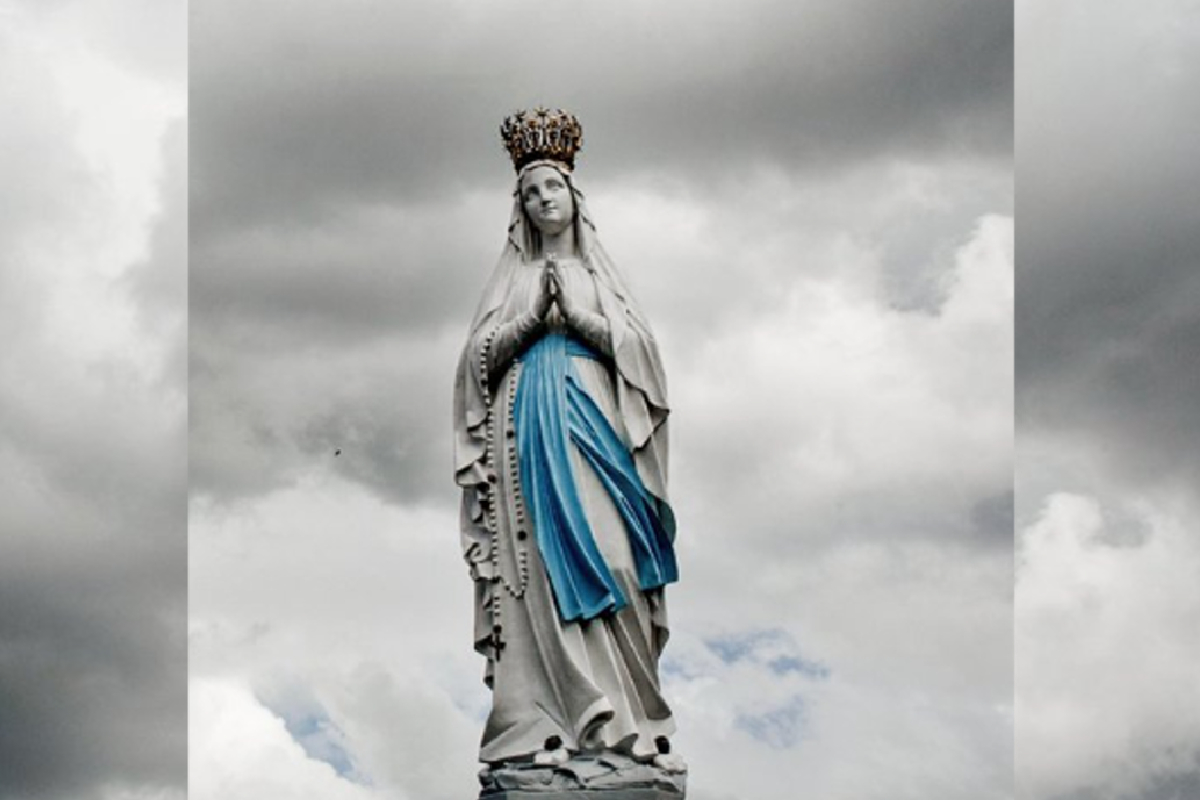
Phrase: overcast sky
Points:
(813, 201)
(93, 400)
(1108, 376)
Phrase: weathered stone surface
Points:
(587, 794)
(606, 776)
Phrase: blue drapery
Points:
(553, 411)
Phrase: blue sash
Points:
(553, 410)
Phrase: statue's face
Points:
(547, 200)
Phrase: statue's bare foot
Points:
(553, 754)
(551, 758)
(666, 760)
(670, 762)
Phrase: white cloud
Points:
(110, 123)
(839, 405)
(366, 605)
(1106, 692)
(240, 751)
(127, 793)
(906, 690)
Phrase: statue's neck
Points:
(560, 245)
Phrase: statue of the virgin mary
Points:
(560, 417)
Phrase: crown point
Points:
(542, 134)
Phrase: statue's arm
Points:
(593, 328)
(589, 326)
(507, 340)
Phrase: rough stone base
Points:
(594, 776)
(586, 794)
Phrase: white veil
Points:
(640, 381)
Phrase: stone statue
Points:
(560, 415)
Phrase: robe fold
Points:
(566, 526)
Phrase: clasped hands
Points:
(508, 339)
(551, 292)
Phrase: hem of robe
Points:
(538, 714)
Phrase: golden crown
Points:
(542, 134)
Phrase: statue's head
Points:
(548, 198)
(542, 144)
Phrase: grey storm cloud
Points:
(334, 169)
(1107, 346)
(93, 481)
(92, 682)
(403, 102)
(1108, 286)
(1170, 787)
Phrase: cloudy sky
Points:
(814, 201)
(93, 400)
(1108, 345)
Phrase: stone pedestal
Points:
(587, 794)
(606, 776)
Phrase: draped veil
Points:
(639, 382)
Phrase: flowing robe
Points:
(592, 683)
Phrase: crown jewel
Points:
(542, 134)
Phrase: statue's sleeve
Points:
(641, 390)
(594, 329)
(506, 341)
